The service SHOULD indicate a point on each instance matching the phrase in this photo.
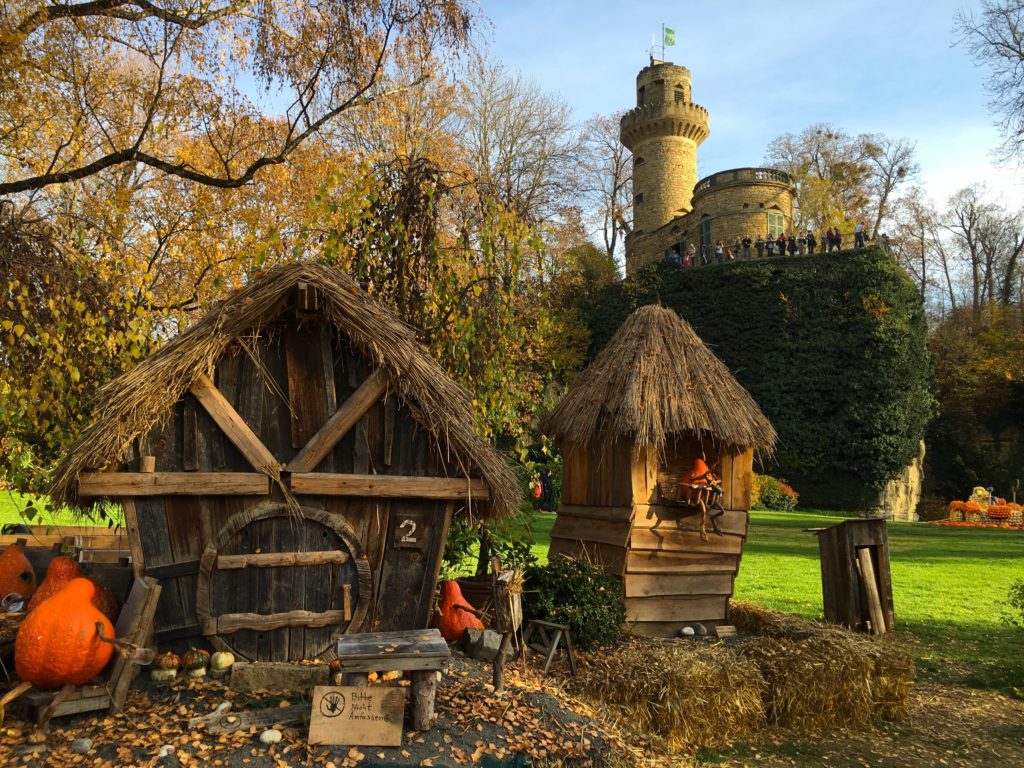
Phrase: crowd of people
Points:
(761, 247)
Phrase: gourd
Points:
(58, 643)
(165, 666)
(454, 614)
(61, 572)
(195, 662)
(16, 574)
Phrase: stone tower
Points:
(663, 132)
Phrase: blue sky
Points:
(767, 68)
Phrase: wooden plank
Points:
(232, 722)
(237, 431)
(600, 531)
(189, 567)
(229, 623)
(597, 513)
(336, 427)
(77, 542)
(652, 561)
(273, 559)
(665, 517)
(99, 484)
(676, 608)
(665, 584)
(401, 644)
(307, 384)
(685, 541)
(743, 479)
(388, 486)
(135, 624)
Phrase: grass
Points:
(949, 586)
(14, 505)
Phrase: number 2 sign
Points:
(408, 532)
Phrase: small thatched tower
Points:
(288, 468)
(655, 400)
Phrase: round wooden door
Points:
(274, 586)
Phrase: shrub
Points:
(771, 493)
(577, 594)
(1014, 617)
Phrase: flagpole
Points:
(663, 41)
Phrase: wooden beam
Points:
(274, 559)
(228, 623)
(173, 483)
(338, 425)
(388, 486)
(233, 425)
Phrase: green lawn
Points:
(948, 586)
(14, 504)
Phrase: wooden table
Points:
(423, 652)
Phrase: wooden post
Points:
(866, 569)
(347, 598)
(147, 464)
(424, 689)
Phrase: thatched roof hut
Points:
(299, 398)
(656, 379)
(655, 404)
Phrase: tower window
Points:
(776, 223)
(705, 235)
(638, 199)
(640, 96)
(680, 95)
(637, 160)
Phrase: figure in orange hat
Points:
(707, 491)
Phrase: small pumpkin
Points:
(58, 643)
(61, 572)
(165, 666)
(221, 661)
(454, 614)
(16, 573)
(195, 661)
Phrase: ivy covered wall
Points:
(832, 347)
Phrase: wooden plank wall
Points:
(672, 578)
(284, 383)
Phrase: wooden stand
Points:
(423, 652)
(549, 643)
(855, 581)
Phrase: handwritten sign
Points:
(410, 531)
(370, 717)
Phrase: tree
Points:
(841, 178)
(995, 38)
(606, 176)
(91, 86)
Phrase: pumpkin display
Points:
(16, 573)
(165, 666)
(454, 614)
(58, 643)
(61, 572)
(195, 661)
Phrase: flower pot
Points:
(477, 591)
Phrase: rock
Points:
(700, 630)
(686, 632)
(81, 746)
(486, 646)
(165, 750)
(271, 736)
(470, 638)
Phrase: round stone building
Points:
(671, 209)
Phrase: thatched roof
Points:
(656, 379)
(133, 403)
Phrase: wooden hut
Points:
(631, 427)
(288, 467)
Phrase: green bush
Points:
(772, 493)
(1014, 617)
(577, 594)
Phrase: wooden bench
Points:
(422, 652)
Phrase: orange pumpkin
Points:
(58, 644)
(450, 618)
(700, 474)
(61, 572)
(16, 574)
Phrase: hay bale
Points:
(690, 696)
(821, 676)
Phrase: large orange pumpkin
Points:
(61, 572)
(58, 644)
(16, 573)
(450, 618)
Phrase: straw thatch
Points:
(135, 402)
(656, 379)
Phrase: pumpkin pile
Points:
(62, 571)
(16, 573)
(59, 642)
(983, 512)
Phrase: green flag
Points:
(669, 36)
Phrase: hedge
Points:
(832, 347)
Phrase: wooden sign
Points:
(410, 531)
(370, 717)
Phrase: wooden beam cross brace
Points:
(234, 426)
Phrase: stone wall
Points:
(900, 498)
